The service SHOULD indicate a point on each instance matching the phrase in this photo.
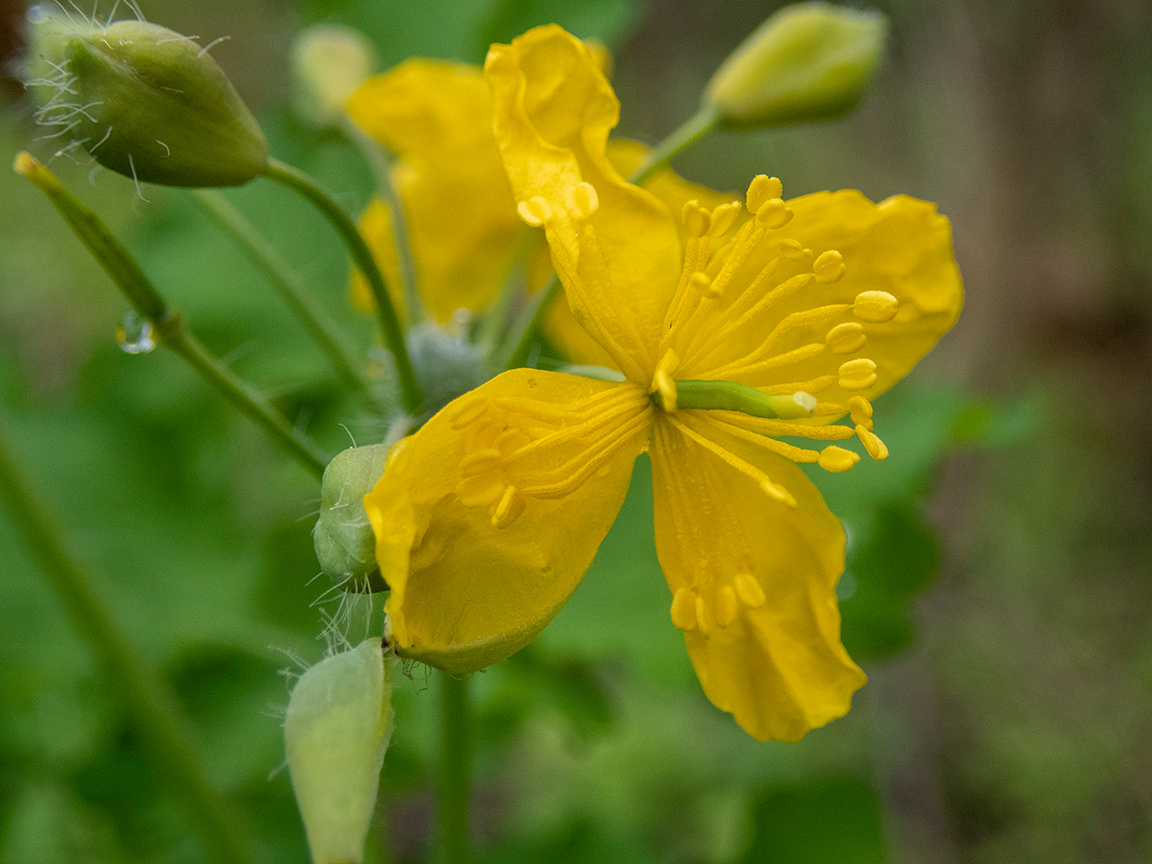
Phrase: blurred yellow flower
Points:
(792, 314)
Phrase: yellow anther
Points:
(837, 459)
(829, 266)
(479, 491)
(859, 374)
(806, 401)
(876, 448)
(581, 200)
(697, 220)
(703, 621)
(778, 492)
(846, 338)
(723, 217)
(684, 609)
(535, 211)
(794, 250)
(480, 462)
(511, 505)
(726, 606)
(702, 282)
(763, 188)
(749, 590)
(774, 213)
(663, 382)
(861, 410)
(875, 306)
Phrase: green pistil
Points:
(730, 396)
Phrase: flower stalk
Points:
(455, 769)
(679, 140)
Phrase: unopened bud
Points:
(148, 103)
(808, 62)
(336, 731)
(345, 544)
(328, 63)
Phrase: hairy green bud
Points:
(808, 62)
(345, 544)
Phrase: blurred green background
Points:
(999, 591)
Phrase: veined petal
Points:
(899, 249)
(614, 245)
(487, 518)
(462, 223)
(753, 583)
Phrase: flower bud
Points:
(336, 731)
(148, 103)
(808, 62)
(345, 544)
(328, 63)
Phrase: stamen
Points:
(837, 459)
(876, 448)
(511, 505)
(663, 383)
(774, 214)
(815, 385)
(480, 491)
(480, 462)
(749, 590)
(684, 609)
(794, 250)
(861, 410)
(829, 267)
(696, 219)
(576, 471)
(703, 283)
(722, 218)
(535, 211)
(846, 338)
(786, 428)
(773, 490)
(875, 306)
(859, 374)
(581, 200)
(702, 622)
(726, 606)
(788, 451)
(763, 188)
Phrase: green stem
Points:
(291, 290)
(522, 336)
(455, 770)
(149, 703)
(691, 131)
(169, 325)
(390, 329)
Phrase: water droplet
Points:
(135, 334)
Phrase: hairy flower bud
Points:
(336, 731)
(808, 62)
(345, 544)
(148, 103)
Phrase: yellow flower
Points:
(792, 314)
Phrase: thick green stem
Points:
(148, 702)
(453, 792)
(390, 329)
(169, 325)
(291, 290)
(691, 131)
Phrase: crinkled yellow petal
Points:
(615, 247)
(900, 246)
(754, 584)
(466, 594)
(462, 223)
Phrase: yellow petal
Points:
(765, 575)
(614, 245)
(462, 223)
(472, 584)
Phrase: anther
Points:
(702, 619)
(829, 266)
(702, 282)
(876, 448)
(723, 217)
(875, 306)
(697, 220)
(662, 381)
(749, 590)
(774, 213)
(480, 462)
(763, 188)
(778, 492)
(846, 338)
(794, 250)
(684, 609)
(726, 606)
(479, 491)
(837, 459)
(805, 400)
(861, 410)
(581, 200)
(511, 505)
(535, 211)
(859, 374)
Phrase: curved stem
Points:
(455, 770)
(149, 703)
(291, 290)
(390, 328)
(688, 133)
(522, 336)
(169, 326)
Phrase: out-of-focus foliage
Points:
(997, 590)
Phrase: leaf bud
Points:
(336, 732)
(807, 62)
(345, 544)
(148, 103)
